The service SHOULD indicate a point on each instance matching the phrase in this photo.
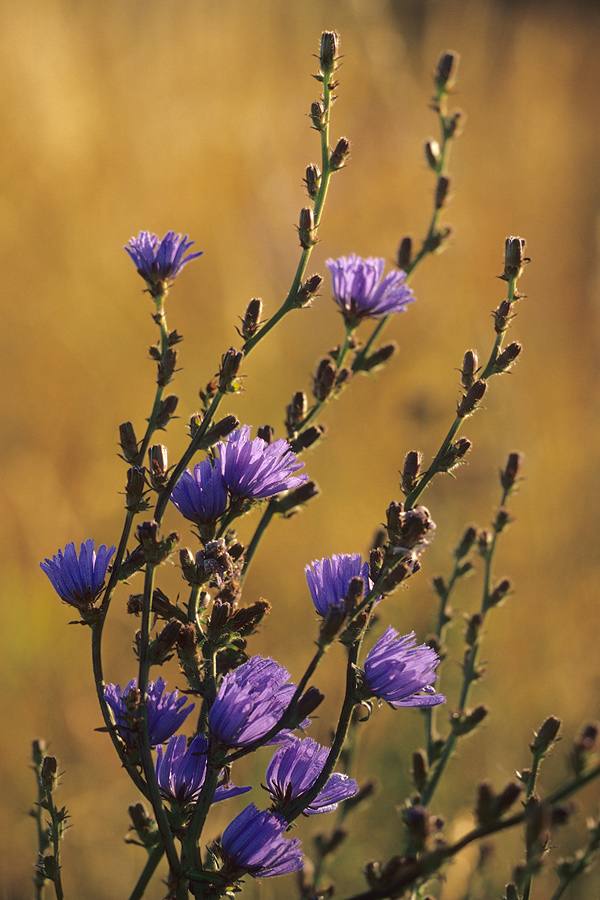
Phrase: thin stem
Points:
(147, 872)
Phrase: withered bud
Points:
(306, 228)
(312, 181)
(441, 191)
(340, 154)
(514, 258)
(445, 74)
(467, 541)
(296, 411)
(166, 411)
(308, 291)
(433, 155)
(267, 433)
(470, 400)
(251, 319)
(166, 367)
(230, 366)
(307, 438)
(135, 490)
(469, 369)
(546, 736)
(317, 115)
(474, 624)
(412, 467)
(464, 723)
(128, 442)
(499, 592)
(378, 358)
(158, 462)
(404, 255)
(511, 471)
(505, 359)
(324, 379)
(420, 769)
(330, 42)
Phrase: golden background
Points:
(189, 115)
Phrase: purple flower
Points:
(159, 263)
(166, 712)
(255, 469)
(329, 579)
(250, 700)
(400, 673)
(254, 843)
(359, 291)
(295, 768)
(181, 771)
(79, 581)
(201, 497)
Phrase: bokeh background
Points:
(191, 115)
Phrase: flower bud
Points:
(467, 541)
(307, 438)
(420, 770)
(230, 366)
(404, 255)
(251, 319)
(330, 42)
(445, 74)
(324, 379)
(158, 462)
(469, 369)
(499, 592)
(412, 467)
(317, 115)
(296, 411)
(306, 228)
(433, 155)
(135, 490)
(378, 358)
(219, 431)
(128, 442)
(312, 181)
(166, 367)
(307, 291)
(511, 471)
(166, 411)
(441, 191)
(340, 154)
(514, 258)
(546, 736)
(470, 400)
(505, 359)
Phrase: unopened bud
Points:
(505, 359)
(469, 369)
(251, 319)
(467, 541)
(293, 500)
(441, 191)
(306, 228)
(511, 471)
(296, 411)
(308, 291)
(420, 770)
(230, 366)
(166, 367)
(433, 155)
(219, 431)
(474, 625)
(499, 592)
(166, 411)
(464, 723)
(454, 124)
(514, 258)
(307, 704)
(378, 358)
(135, 490)
(307, 438)
(445, 74)
(158, 463)
(410, 471)
(324, 379)
(312, 181)
(340, 154)
(546, 736)
(266, 433)
(128, 442)
(317, 115)
(330, 42)
(404, 255)
(470, 400)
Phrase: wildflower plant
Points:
(245, 702)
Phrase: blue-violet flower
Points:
(79, 581)
(250, 700)
(166, 711)
(159, 263)
(201, 497)
(293, 771)
(253, 469)
(254, 843)
(400, 673)
(359, 291)
(181, 770)
(329, 579)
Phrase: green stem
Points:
(148, 871)
(145, 750)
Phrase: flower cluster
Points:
(243, 469)
(360, 293)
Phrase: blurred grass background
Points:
(192, 116)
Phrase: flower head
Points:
(79, 581)
(201, 497)
(181, 770)
(160, 262)
(359, 291)
(253, 469)
(254, 843)
(400, 673)
(166, 711)
(295, 768)
(250, 700)
(329, 579)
